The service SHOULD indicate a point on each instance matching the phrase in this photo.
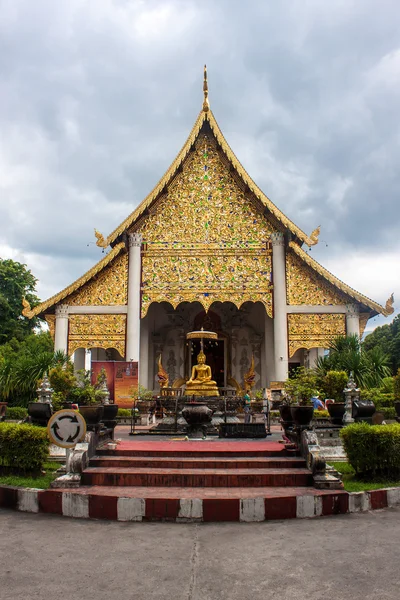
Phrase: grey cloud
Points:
(96, 98)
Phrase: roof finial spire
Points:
(206, 104)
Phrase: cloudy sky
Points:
(98, 96)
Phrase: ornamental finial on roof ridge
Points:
(206, 104)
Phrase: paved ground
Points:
(122, 433)
(343, 557)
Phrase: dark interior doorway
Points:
(215, 358)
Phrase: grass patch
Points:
(42, 481)
(354, 483)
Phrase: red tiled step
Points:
(198, 449)
(212, 462)
(130, 476)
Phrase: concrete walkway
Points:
(340, 558)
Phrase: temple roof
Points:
(296, 236)
(70, 289)
(205, 117)
(367, 302)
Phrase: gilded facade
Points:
(109, 287)
(305, 286)
(314, 330)
(214, 240)
(97, 331)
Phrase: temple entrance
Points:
(215, 358)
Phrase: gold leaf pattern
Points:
(97, 331)
(305, 286)
(314, 330)
(214, 242)
(109, 287)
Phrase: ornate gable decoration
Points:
(109, 287)
(305, 286)
(314, 331)
(205, 241)
(97, 331)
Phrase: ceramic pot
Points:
(336, 412)
(39, 412)
(302, 415)
(92, 414)
(110, 412)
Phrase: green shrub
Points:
(389, 412)
(373, 450)
(302, 386)
(16, 413)
(321, 414)
(23, 447)
(124, 413)
(333, 384)
(396, 385)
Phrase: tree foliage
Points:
(16, 282)
(369, 367)
(23, 364)
(302, 386)
(387, 339)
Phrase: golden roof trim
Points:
(169, 174)
(77, 284)
(253, 186)
(134, 216)
(343, 287)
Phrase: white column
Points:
(144, 354)
(269, 350)
(79, 359)
(61, 329)
(88, 359)
(352, 320)
(280, 317)
(133, 320)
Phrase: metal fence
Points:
(168, 409)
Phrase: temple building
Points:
(206, 248)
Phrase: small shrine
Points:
(205, 249)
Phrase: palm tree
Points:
(19, 375)
(346, 354)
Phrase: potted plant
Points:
(300, 388)
(84, 396)
(102, 396)
(333, 384)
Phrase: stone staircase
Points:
(222, 476)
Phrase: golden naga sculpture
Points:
(315, 235)
(26, 308)
(163, 379)
(250, 377)
(101, 242)
(200, 383)
(389, 305)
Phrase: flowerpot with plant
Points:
(301, 388)
(83, 394)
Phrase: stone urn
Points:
(336, 412)
(92, 415)
(302, 415)
(197, 415)
(40, 413)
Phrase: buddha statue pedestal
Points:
(200, 383)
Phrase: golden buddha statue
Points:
(200, 383)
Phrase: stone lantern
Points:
(45, 391)
(351, 394)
